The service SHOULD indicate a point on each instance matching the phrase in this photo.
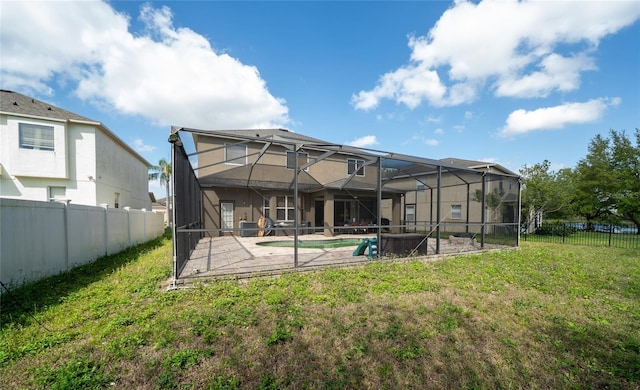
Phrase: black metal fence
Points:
(620, 235)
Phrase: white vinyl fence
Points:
(40, 239)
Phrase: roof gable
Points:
(477, 164)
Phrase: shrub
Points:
(555, 229)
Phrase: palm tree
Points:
(162, 172)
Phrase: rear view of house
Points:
(231, 181)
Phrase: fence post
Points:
(106, 229)
(610, 233)
(144, 223)
(128, 224)
(67, 236)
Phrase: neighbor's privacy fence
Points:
(620, 235)
(40, 239)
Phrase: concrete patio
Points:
(241, 257)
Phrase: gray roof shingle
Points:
(16, 103)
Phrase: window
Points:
(420, 186)
(36, 137)
(354, 165)
(410, 213)
(303, 158)
(456, 211)
(265, 206)
(116, 200)
(235, 154)
(57, 193)
(284, 208)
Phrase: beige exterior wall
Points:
(273, 163)
(460, 197)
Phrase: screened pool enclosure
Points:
(235, 192)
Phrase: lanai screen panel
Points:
(186, 207)
(444, 199)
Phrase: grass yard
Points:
(546, 316)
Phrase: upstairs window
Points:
(235, 154)
(303, 158)
(36, 137)
(354, 165)
(420, 186)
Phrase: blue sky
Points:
(501, 81)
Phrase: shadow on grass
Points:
(594, 356)
(19, 304)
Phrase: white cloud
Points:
(514, 48)
(438, 131)
(364, 142)
(558, 73)
(166, 74)
(408, 85)
(431, 142)
(420, 138)
(140, 146)
(523, 121)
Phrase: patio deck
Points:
(241, 257)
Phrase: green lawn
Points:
(546, 316)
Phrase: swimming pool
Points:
(314, 244)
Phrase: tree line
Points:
(603, 186)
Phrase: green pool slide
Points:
(367, 243)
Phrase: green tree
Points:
(595, 182)
(608, 179)
(545, 192)
(162, 172)
(493, 200)
(626, 164)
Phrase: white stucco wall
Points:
(82, 164)
(28, 174)
(30, 162)
(118, 171)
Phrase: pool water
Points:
(314, 244)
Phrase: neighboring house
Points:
(246, 174)
(50, 154)
(160, 206)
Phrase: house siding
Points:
(120, 172)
